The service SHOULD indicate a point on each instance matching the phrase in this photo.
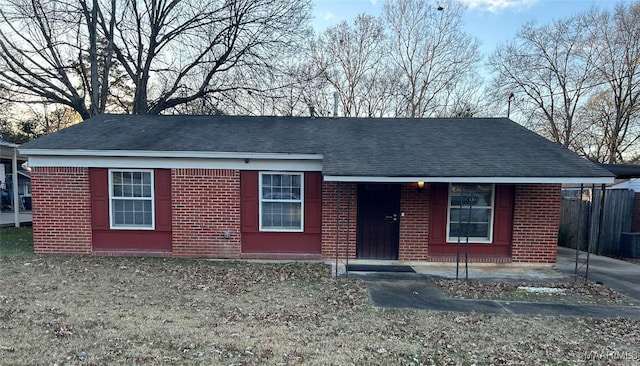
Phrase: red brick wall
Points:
(414, 226)
(635, 221)
(334, 232)
(205, 204)
(61, 210)
(536, 219)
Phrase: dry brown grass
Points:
(160, 311)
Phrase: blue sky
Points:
(491, 21)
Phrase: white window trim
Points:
(474, 240)
(152, 198)
(260, 227)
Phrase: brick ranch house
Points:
(301, 188)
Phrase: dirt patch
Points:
(568, 293)
(97, 311)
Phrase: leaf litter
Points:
(65, 310)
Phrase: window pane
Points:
(470, 215)
(479, 231)
(137, 178)
(475, 231)
(281, 215)
(117, 190)
(126, 177)
(132, 213)
(146, 191)
(127, 191)
(482, 196)
(128, 217)
(286, 180)
(147, 218)
(137, 205)
(275, 180)
(471, 194)
(118, 218)
(482, 215)
(118, 205)
(266, 193)
(117, 177)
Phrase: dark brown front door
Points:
(378, 221)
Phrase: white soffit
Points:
(170, 154)
(175, 163)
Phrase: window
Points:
(131, 199)
(470, 213)
(281, 201)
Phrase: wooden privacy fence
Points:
(579, 219)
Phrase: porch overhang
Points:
(503, 180)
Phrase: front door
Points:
(378, 221)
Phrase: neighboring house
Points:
(7, 150)
(301, 188)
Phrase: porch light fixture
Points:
(420, 185)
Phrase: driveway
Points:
(619, 275)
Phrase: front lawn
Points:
(16, 242)
(106, 311)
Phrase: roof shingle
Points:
(386, 147)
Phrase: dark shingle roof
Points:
(623, 171)
(438, 147)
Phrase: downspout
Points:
(348, 229)
(338, 232)
(14, 178)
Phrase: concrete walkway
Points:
(423, 294)
(417, 290)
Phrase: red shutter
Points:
(503, 214)
(438, 214)
(162, 193)
(99, 180)
(249, 201)
(312, 202)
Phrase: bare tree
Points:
(43, 54)
(615, 110)
(604, 140)
(172, 52)
(350, 58)
(549, 68)
(432, 51)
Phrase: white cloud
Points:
(328, 16)
(495, 6)
(373, 2)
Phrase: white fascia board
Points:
(172, 154)
(175, 163)
(8, 144)
(504, 180)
